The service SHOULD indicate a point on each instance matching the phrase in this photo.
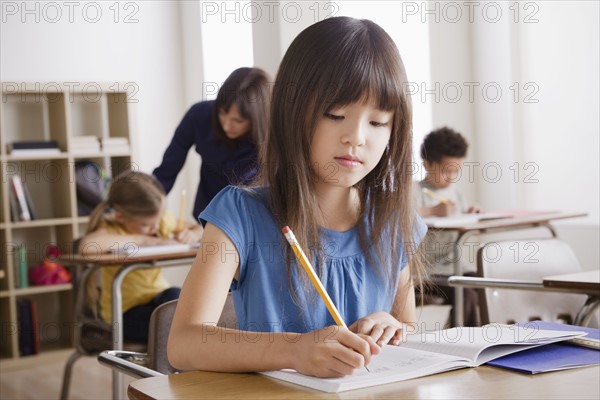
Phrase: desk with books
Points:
(86, 265)
(470, 225)
(481, 382)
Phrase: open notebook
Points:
(432, 353)
(134, 250)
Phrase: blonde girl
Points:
(334, 170)
(132, 215)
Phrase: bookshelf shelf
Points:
(69, 119)
(59, 156)
(43, 289)
(40, 223)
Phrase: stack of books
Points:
(115, 145)
(33, 148)
(86, 144)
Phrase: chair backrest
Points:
(528, 260)
(160, 325)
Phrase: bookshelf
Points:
(34, 111)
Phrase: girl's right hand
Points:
(333, 352)
(444, 209)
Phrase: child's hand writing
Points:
(444, 209)
(188, 236)
(379, 326)
(474, 210)
(333, 352)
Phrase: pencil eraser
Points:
(285, 229)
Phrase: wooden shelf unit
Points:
(33, 111)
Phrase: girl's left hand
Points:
(381, 327)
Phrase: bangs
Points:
(359, 85)
(360, 68)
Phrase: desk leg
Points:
(458, 307)
(587, 311)
(117, 318)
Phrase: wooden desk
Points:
(496, 225)
(128, 264)
(587, 282)
(479, 383)
(581, 282)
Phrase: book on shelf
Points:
(115, 144)
(434, 352)
(18, 191)
(33, 148)
(21, 267)
(28, 327)
(85, 144)
(14, 207)
(29, 201)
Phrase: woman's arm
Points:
(103, 241)
(176, 153)
(196, 342)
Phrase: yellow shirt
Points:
(139, 286)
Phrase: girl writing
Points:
(334, 171)
(132, 215)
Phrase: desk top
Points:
(526, 220)
(107, 259)
(480, 382)
(584, 281)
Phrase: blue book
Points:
(555, 356)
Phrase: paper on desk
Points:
(463, 219)
(134, 250)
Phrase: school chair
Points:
(154, 361)
(510, 281)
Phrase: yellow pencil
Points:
(435, 196)
(289, 235)
(181, 206)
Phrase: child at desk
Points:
(443, 152)
(340, 132)
(134, 214)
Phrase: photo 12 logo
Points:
(270, 11)
(470, 11)
(53, 12)
(473, 92)
(89, 92)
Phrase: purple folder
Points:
(552, 357)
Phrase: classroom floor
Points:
(91, 380)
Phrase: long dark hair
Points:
(336, 62)
(248, 88)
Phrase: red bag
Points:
(49, 272)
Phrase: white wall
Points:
(140, 43)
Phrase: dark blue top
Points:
(222, 163)
(262, 296)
